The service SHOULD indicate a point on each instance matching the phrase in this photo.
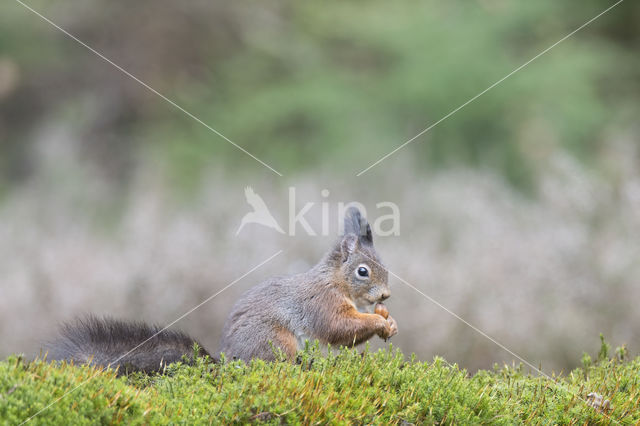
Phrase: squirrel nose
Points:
(385, 296)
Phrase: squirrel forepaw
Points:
(390, 329)
(393, 326)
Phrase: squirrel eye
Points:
(362, 271)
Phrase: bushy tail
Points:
(131, 346)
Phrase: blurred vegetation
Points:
(316, 90)
(347, 387)
(331, 86)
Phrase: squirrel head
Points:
(360, 268)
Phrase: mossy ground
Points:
(341, 387)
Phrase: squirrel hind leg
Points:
(278, 339)
(286, 340)
(260, 343)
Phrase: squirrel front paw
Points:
(393, 325)
(389, 329)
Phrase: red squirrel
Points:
(331, 303)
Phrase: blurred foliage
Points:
(330, 86)
(346, 387)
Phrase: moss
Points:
(341, 387)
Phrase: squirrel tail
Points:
(128, 346)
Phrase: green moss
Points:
(341, 387)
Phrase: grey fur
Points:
(103, 341)
(354, 223)
(305, 304)
(281, 312)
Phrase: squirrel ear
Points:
(348, 245)
(354, 223)
(368, 236)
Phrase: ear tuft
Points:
(354, 223)
(348, 245)
(368, 236)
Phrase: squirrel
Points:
(332, 302)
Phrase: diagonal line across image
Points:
(146, 86)
(192, 116)
(158, 332)
(381, 159)
(485, 335)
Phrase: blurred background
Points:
(520, 213)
